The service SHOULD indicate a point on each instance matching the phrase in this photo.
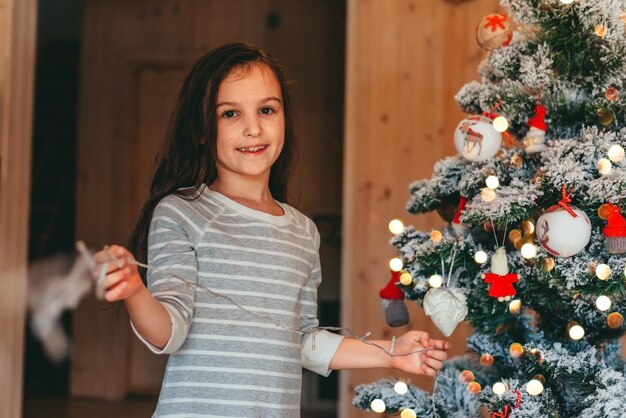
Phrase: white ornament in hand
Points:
(446, 308)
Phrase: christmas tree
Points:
(534, 255)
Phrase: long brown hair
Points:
(189, 154)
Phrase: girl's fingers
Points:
(432, 363)
(437, 355)
(116, 293)
(440, 345)
(114, 278)
(428, 371)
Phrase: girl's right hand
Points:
(122, 279)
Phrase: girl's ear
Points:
(202, 141)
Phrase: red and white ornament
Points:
(500, 279)
(494, 31)
(564, 230)
(476, 139)
(446, 308)
(536, 137)
(459, 228)
(615, 231)
(392, 299)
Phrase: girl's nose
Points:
(252, 127)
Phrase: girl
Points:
(233, 277)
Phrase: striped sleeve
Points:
(318, 348)
(173, 277)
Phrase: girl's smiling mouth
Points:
(255, 149)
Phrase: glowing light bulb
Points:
(492, 182)
(401, 388)
(603, 271)
(534, 387)
(488, 195)
(515, 306)
(481, 257)
(396, 264)
(604, 166)
(567, 1)
(435, 280)
(603, 303)
(406, 278)
(500, 124)
(529, 250)
(396, 226)
(616, 153)
(600, 31)
(499, 388)
(378, 405)
(408, 413)
(576, 332)
(436, 236)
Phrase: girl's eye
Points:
(229, 114)
(267, 111)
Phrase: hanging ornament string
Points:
(451, 265)
(566, 199)
(102, 274)
(495, 236)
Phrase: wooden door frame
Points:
(18, 22)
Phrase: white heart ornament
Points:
(446, 308)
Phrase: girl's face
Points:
(250, 123)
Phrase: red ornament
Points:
(501, 286)
(391, 291)
(396, 313)
(456, 221)
(615, 231)
(499, 278)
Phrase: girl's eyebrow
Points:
(267, 99)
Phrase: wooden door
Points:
(134, 57)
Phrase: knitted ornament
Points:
(535, 138)
(564, 230)
(500, 279)
(392, 298)
(446, 308)
(494, 31)
(615, 231)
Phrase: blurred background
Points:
(87, 90)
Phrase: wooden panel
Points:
(17, 61)
(405, 61)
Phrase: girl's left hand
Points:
(426, 362)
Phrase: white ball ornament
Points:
(476, 139)
(562, 234)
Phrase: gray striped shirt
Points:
(225, 361)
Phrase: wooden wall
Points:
(17, 62)
(406, 59)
